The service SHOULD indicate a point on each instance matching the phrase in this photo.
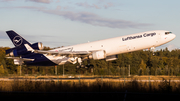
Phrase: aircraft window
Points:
(166, 33)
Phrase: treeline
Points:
(143, 62)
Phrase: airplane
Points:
(108, 49)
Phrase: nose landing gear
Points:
(152, 49)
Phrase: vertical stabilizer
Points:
(16, 39)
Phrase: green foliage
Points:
(1, 69)
(142, 68)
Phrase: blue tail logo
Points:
(17, 40)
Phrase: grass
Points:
(160, 77)
(98, 85)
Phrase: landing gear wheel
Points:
(82, 66)
(89, 66)
(86, 67)
(77, 66)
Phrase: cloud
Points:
(96, 6)
(42, 1)
(93, 19)
(108, 5)
(6, 0)
(86, 5)
(171, 47)
(89, 18)
(99, 5)
(57, 1)
(58, 7)
(30, 7)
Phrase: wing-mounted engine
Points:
(98, 55)
(112, 57)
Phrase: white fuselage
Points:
(118, 45)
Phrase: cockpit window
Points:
(166, 33)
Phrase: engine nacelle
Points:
(98, 55)
(21, 50)
(37, 46)
(112, 57)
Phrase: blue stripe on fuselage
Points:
(39, 60)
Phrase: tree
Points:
(166, 52)
(135, 63)
(12, 68)
(117, 71)
(46, 48)
(176, 71)
(1, 69)
(147, 71)
(161, 63)
(142, 68)
(152, 71)
(165, 70)
(122, 69)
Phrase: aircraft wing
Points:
(74, 53)
(58, 53)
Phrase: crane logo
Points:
(17, 40)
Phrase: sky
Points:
(58, 23)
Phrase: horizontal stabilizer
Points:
(22, 59)
(9, 50)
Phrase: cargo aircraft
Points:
(33, 54)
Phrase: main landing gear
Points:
(152, 49)
(84, 66)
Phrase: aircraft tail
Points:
(16, 39)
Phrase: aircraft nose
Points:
(173, 36)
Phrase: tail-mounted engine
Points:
(19, 51)
(37, 46)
